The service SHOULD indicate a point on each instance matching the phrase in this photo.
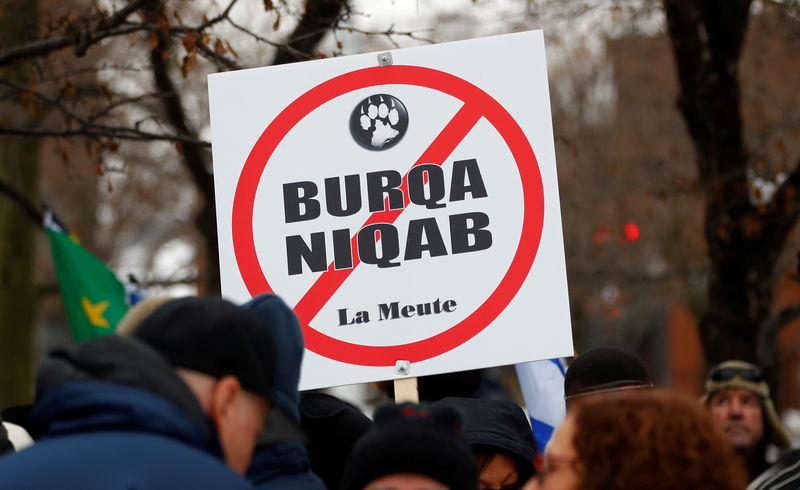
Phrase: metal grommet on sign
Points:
(385, 59)
(402, 368)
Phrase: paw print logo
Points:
(379, 122)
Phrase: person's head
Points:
(501, 440)
(737, 396)
(239, 415)
(649, 439)
(225, 356)
(411, 447)
(603, 369)
(496, 470)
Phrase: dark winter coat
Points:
(110, 413)
(284, 466)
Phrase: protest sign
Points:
(405, 204)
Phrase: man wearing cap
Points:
(737, 396)
(115, 412)
(604, 369)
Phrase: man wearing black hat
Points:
(226, 357)
(737, 396)
(604, 369)
(159, 411)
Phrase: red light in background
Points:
(601, 233)
(631, 232)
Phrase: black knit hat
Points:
(214, 337)
(605, 369)
(415, 439)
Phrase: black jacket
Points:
(785, 474)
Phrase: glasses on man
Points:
(751, 374)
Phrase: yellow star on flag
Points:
(94, 312)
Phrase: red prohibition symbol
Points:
(477, 104)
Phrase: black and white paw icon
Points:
(379, 122)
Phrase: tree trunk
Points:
(19, 168)
(196, 159)
(744, 240)
(318, 18)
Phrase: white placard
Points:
(407, 212)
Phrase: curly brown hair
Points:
(654, 440)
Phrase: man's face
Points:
(738, 413)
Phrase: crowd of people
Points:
(201, 393)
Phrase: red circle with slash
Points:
(477, 104)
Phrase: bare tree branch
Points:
(84, 37)
(299, 54)
(31, 210)
(218, 60)
(195, 159)
(90, 128)
(391, 33)
(319, 17)
(98, 132)
(81, 39)
(177, 118)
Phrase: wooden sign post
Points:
(405, 390)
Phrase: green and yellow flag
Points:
(93, 297)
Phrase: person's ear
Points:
(223, 398)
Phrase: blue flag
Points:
(542, 384)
